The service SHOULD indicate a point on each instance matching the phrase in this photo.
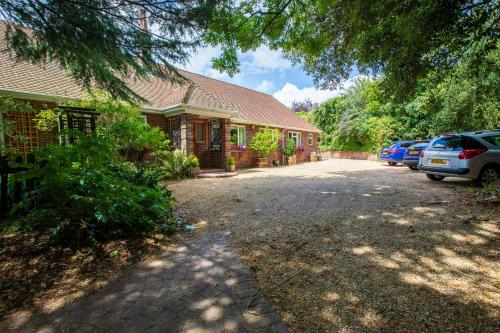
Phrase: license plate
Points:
(414, 152)
(385, 153)
(440, 162)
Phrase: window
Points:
(296, 137)
(495, 140)
(215, 137)
(406, 144)
(419, 145)
(200, 132)
(310, 141)
(455, 143)
(238, 136)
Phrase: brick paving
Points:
(202, 287)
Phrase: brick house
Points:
(206, 117)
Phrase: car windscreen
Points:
(450, 143)
(406, 144)
(494, 140)
(455, 143)
(419, 145)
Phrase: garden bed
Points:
(36, 275)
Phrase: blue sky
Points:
(267, 71)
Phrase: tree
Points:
(303, 106)
(402, 40)
(103, 42)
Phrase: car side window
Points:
(494, 140)
(471, 143)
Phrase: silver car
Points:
(473, 155)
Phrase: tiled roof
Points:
(248, 105)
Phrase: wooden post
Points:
(18, 186)
(30, 183)
(4, 177)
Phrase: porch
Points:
(207, 138)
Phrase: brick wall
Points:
(156, 120)
(248, 158)
(352, 155)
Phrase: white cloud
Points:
(263, 59)
(265, 86)
(290, 92)
(201, 60)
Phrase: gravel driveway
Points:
(357, 246)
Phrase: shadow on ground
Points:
(363, 251)
(202, 287)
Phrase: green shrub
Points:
(195, 162)
(230, 160)
(125, 125)
(178, 164)
(264, 142)
(289, 148)
(85, 198)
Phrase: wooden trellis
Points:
(76, 119)
(24, 138)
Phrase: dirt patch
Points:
(358, 246)
(34, 275)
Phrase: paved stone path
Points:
(203, 287)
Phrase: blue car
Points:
(412, 154)
(395, 152)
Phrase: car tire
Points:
(392, 163)
(435, 178)
(413, 167)
(489, 175)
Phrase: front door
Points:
(207, 143)
(200, 137)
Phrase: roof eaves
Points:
(35, 96)
(252, 122)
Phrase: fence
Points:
(16, 183)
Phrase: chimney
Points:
(144, 20)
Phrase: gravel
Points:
(357, 246)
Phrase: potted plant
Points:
(313, 157)
(230, 165)
(264, 142)
(289, 152)
(195, 165)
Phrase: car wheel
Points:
(489, 175)
(392, 163)
(435, 178)
(412, 167)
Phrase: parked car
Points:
(395, 152)
(473, 155)
(412, 154)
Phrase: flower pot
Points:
(276, 162)
(230, 168)
(262, 162)
(291, 160)
(312, 158)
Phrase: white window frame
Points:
(298, 135)
(310, 140)
(238, 129)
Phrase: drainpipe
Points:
(283, 146)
